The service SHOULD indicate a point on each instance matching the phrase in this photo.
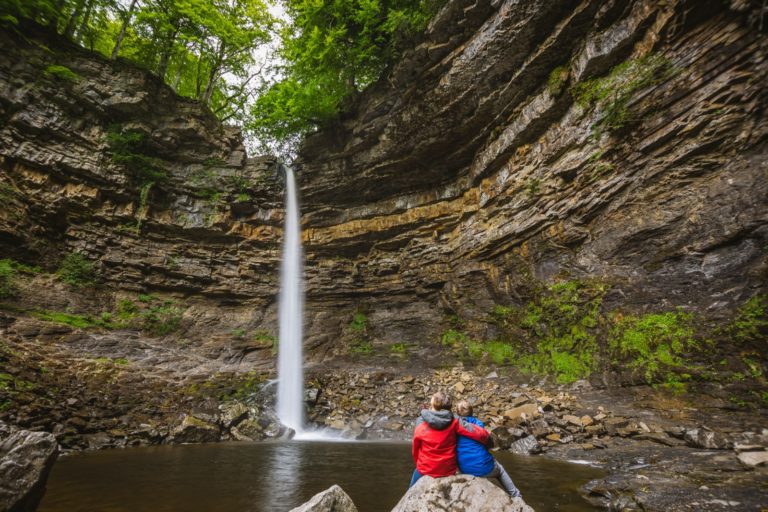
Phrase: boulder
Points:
(195, 430)
(708, 439)
(333, 499)
(463, 493)
(26, 459)
(751, 459)
(525, 446)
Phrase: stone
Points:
(525, 446)
(458, 493)
(752, 459)
(528, 411)
(233, 413)
(706, 438)
(194, 430)
(26, 459)
(333, 499)
(573, 420)
(612, 425)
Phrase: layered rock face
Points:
(105, 160)
(476, 171)
(470, 175)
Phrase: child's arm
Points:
(415, 448)
(474, 432)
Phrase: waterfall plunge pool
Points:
(275, 477)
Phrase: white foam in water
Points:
(290, 387)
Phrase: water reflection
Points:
(284, 476)
(260, 477)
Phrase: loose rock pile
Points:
(523, 419)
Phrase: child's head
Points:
(441, 401)
(464, 408)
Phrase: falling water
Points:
(290, 387)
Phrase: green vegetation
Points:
(557, 79)
(9, 383)
(656, 344)
(7, 279)
(129, 148)
(78, 321)
(359, 326)
(332, 51)
(162, 319)
(452, 337)
(751, 321)
(265, 339)
(613, 92)
(399, 349)
(190, 44)
(359, 322)
(76, 270)
(564, 319)
(62, 72)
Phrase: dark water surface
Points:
(274, 477)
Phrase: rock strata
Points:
(26, 459)
(461, 493)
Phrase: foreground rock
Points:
(333, 499)
(459, 493)
(26, 459)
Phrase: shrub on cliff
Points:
(76, 270)
(7, 279)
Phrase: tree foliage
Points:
(331, 50)
(204, 49)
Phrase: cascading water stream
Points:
(290, 387)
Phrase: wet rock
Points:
(26, 459)
(233, 413)
(461, 492)
(333, 499)
(528, 411)
(525, 446)
(752, 459)
(706, 438)
(195, 430)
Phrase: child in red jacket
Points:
(434, 440)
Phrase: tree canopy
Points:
(331, 50)
(327, 50)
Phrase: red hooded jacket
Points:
(434, 442)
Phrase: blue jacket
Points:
(473, 457)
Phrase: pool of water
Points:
(275, 476)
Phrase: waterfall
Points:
(290, 387)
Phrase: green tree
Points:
(332, 49)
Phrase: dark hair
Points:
(441, 401)
(464, 408)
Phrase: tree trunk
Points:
(165, 57)
(84, 23)
(213, 75)
(69, 30)
(123, 29)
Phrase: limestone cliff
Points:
(519, 144)
(527, 142)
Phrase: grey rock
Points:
(458, 493)
(333, 499)
(706, 438)
(525, 446)
(194, 430)
(26, 459)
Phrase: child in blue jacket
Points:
(474, 458)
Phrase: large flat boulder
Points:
(333, 499)
(26, 459)
(460, 493)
